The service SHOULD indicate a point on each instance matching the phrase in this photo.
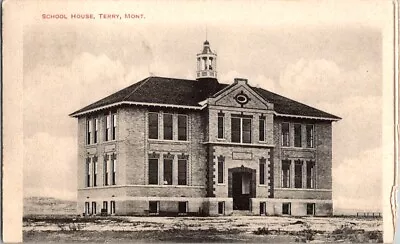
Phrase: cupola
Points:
(206, 63)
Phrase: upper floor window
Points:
(114, 126)
(168, 131)
(153, 125)
(107, 131)
(96, 130)
(110, 126)
(285, 135)
(220, 125)
(168, 123)
(261, 127)
(89, 128)
(182, 127)
(241, 129)
(297, 135)
(310, 135)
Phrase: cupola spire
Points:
(206, 63)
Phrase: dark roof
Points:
(163, 90)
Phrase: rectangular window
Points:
(182, 127)
(168, 127)
(285, 135)
(310, 135)
(106, 169)
(182, 207)
(112, 207)
(108, 128)
(220, 171)
(153, 125)
(154, 207)
(88, 178)
(182, 172)
(221, 207)
(105, 207)
(286, 208)
(167, 171)
(262, 172)
(114, 169)
(261, 128)
(153, 171)
(241, 130)
(310, 174)
(95, 171)
(310, 208)
(286, 173)
(262, 208)
(298, 174)
(94, 208)
(88, 131)
(220, 125)
(87, 208)
(96, 130)
(114, 126)
(235, 129)
(297, 135)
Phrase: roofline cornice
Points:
(135, 103)
(187, 107)
(305, 117)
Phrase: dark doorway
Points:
(241, 190)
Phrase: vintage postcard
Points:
(199, 121)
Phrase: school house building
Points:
(167, 146)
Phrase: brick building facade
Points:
(176, 146)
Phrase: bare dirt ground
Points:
(202, 229)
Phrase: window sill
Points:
(302, 189)
(298, 148)
(168, 141)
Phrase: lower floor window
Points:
(262, 208)
(221, 207)
(112, 207)
(286, 208)
(182, 207)
(310, 208)
(154, 207)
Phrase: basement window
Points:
(262, 208)
(154, 207)
(182, 208)
(221, 207)
(310, 208)
(286, 208)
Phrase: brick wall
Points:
(321, 154)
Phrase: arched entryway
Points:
(242, 186)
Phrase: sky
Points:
(329, 63)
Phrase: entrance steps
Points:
(242, 213)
